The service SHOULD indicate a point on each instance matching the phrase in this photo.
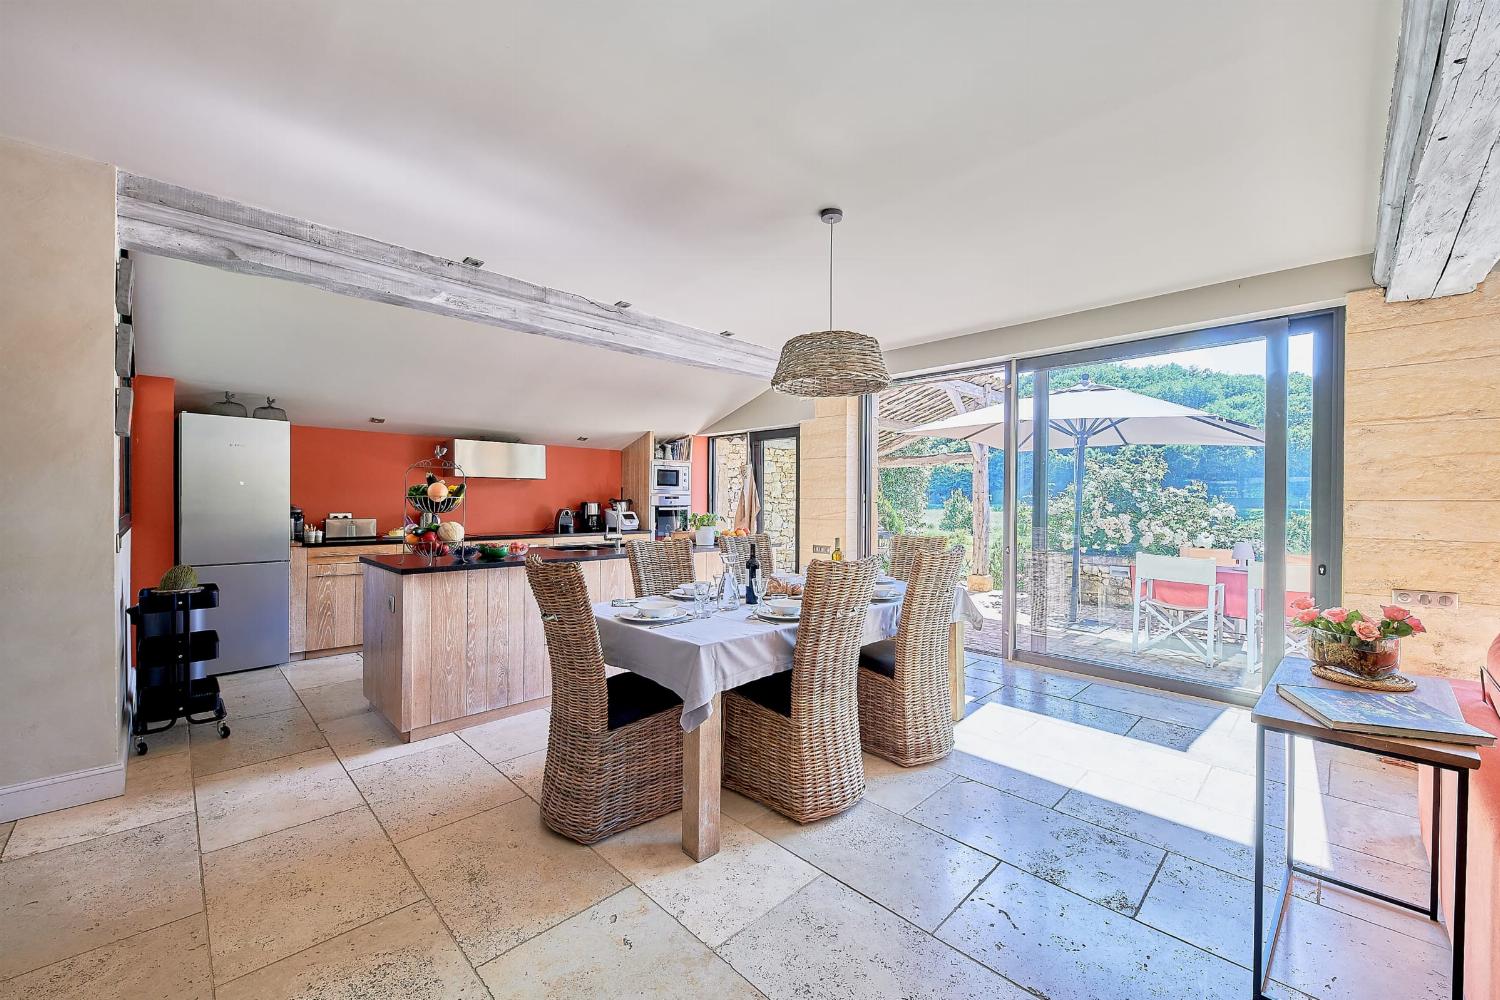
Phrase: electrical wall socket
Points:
(822, 550)
(1424, 599)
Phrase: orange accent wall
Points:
(363, 472)
(153, 500)
(698, 485)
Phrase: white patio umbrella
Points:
(1091, 415)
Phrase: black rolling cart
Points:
(170, 682)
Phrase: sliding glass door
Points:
(1169, 504)
(1148, 508)
(770, 461)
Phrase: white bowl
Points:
(884, 591)
(784, 606)
(657, 607)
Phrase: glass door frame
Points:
(756, 441)
(1327, 328)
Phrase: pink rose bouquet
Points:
(1394, 622)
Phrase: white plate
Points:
(885, 600)
(771, 616)
(639, 619)
(886, 579)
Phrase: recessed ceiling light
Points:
(377, 420)
(622, 304)
(473, 262)
(726, 333)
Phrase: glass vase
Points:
(1368, 658)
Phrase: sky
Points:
(1238, 359)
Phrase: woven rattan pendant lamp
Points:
(831, 362)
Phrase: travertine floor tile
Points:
(169, 962)
(1061, 946)
(74, 899)
(1096, 863)
(5, 830)
(900, 864)
(426, 790)
(500, 877)
(321, 670)
(625, 946)
(404, 955)
(526, 771)
(1377, 832)
(1183, 711)
(713, 898)
(249, 802)
(1402, 921)
(1205, 907)
(367, 738)
(252, 740)
(742, 809)
(338, 700)
(1393, 789)
(1048, 682)
(174, 740)
(900, 788)
(155, 789)
(828, 940)
(506, 739)
(274, 896)
(1333, 956)
(1078, 713)
(256, 692)
(1039, 779)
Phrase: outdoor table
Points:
(699, 659)
(1274, 713)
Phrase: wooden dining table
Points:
(700, 658)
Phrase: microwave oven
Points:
(671, 477)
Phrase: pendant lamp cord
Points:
(830, 277)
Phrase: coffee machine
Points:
(590, 519)
(564, 525)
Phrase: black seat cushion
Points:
(879, 657)
(633, 697)
(774, 692)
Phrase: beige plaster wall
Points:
(1422, 466)
(830, 477)
(59, 706)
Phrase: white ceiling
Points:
(333, 361)
(998, 161)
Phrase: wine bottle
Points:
(752, 570)
(838, 553)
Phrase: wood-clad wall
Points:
(829, 455)
(1422, 467)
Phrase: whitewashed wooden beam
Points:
(155, 217)
(927, 461)
(1438, 224)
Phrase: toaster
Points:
(344, 526)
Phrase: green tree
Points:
(901, 498)
(958, 513)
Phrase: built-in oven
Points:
(669, 513)
(671, 477)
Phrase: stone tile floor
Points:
(1084, 840)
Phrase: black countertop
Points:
(404, 565)
(396, 540)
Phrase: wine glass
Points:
(760, 583)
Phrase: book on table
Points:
(1382, 713)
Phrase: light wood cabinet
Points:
(443, 647)
(326, 608)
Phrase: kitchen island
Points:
(450, 645)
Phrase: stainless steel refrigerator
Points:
(233, 493)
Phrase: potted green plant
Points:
(1346, 638)
(705, 528)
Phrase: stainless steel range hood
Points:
(499, 459)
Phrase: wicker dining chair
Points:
(905, 707)
(791, 740)
(614, 746)
(739, 545)
(658, 568)
(904, 549)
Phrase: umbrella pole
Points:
(1077, 528)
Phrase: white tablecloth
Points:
(698, 659)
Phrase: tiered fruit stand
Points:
(435, 489)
